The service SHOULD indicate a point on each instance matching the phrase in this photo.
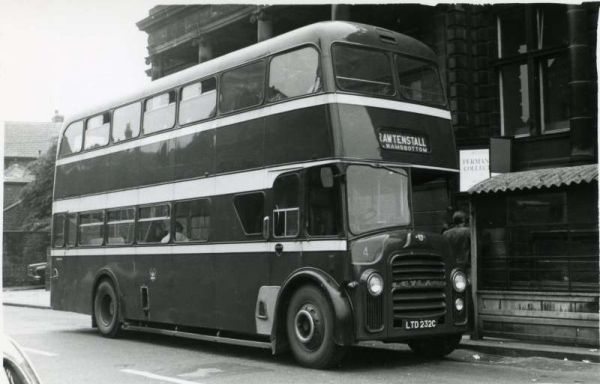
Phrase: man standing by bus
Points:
(459, 237)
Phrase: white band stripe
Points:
(331, 98)
(181, 249)
(205, 187)
(190, 189)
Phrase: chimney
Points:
(57, 118)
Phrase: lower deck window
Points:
(119, 226)
(153, 224)
(192, 220)
(91, 228)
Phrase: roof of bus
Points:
(322, 34)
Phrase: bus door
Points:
(286, 218)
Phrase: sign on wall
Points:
(474, 167)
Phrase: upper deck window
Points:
(126, 122)
(242, 87)
(362, 70)
(294, 73)
(198, 101)
(419, 81)
(96, 131)
(159, 112)
(72, 139)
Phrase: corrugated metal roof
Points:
(538, 178)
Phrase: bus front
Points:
(394, 134)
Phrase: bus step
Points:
(198, 336)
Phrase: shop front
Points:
(535, 253)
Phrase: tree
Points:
(36, 197)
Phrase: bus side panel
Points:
(194, 155)
(72, 289)
(298, 135)
(240, 146)
(194, 293)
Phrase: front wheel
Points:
(106, 310)
(310, 329)
(435, 347)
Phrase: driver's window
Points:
(324, 209)
(286, 212)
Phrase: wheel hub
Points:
(307, 326)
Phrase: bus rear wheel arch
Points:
(107, 309)
(310, 322)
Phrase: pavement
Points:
(34, 297)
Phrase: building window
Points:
(91, 228)
(192, 220)
(250, 210)
(294, 73)
(533, 69)
(549, 208)
(96, 131)
(126, 122)
(72, 139)
(153, 224)
(159, 112)
(198, 101)
(119, 225)
(527, 243)
(242, 87)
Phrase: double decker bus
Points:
(283, 195)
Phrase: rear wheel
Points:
(310, 329)
(106, 310)
(435, 347)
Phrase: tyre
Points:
(435, 347)
(310, 329)
(106, 310)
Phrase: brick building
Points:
(521, 86)
(24, 142)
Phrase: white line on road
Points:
(158, 377)
(38, 352)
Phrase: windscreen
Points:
(377, 198)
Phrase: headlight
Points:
(459, 304)
(459, 281)
(375, 284)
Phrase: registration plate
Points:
(419, 324)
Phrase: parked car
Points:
(37, 272)
(17, 367)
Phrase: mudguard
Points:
(342, 308)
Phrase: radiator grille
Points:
(418, 287)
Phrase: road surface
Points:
(65, 349)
